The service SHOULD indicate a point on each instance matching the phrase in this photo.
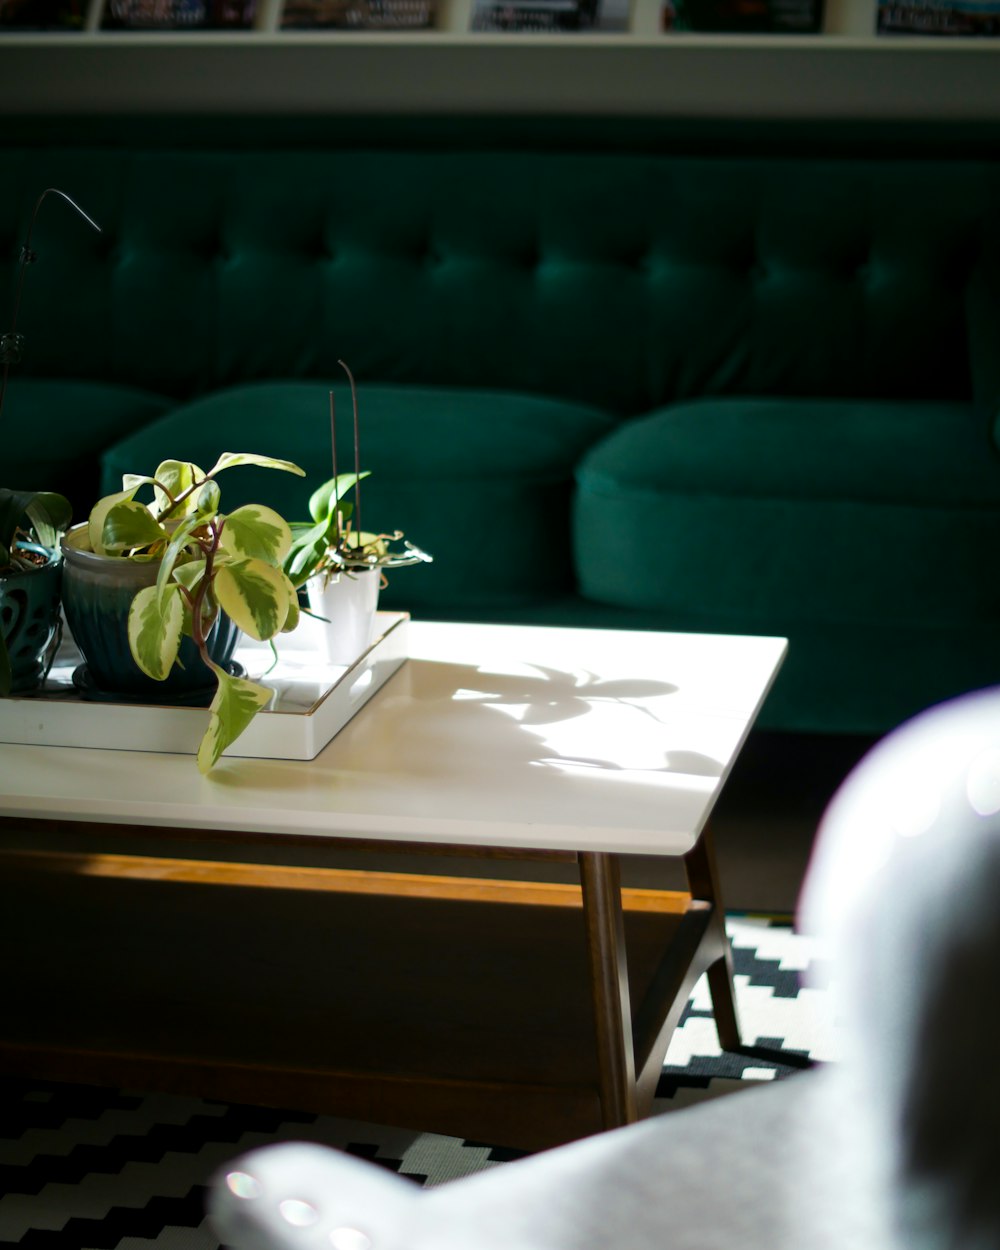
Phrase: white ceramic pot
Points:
(348, 602)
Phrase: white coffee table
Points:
(541, 743)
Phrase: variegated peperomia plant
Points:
(208, 561)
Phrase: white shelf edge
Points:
(679, 42)
(843, 76)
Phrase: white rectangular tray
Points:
(312, 702)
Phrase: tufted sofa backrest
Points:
(622, 280)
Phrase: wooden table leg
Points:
(602, 910)
(703, 877)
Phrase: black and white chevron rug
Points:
(83, 1168)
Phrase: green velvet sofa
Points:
(608, 376)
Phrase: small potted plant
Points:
(31, 525)
(340, 565)
(156, 593)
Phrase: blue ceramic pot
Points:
(30, 619)
(97, 593)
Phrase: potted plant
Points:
(341, 566)
(157, 592)
(31, 525)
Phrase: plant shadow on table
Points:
(549, 697)
(550, 717)
(547, 713)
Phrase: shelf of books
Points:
(664, 19)
(933, 59)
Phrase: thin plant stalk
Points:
(336, 486)
(357, 453)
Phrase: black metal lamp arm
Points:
(12, 343)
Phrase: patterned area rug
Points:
(83, 1168)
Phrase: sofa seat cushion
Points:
(57, 430)
(481, 479)
(767, 513)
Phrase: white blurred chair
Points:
(893, 1148)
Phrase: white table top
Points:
(504, 736)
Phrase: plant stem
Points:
(173, 502)
(198, 633)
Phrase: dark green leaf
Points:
(322, 500)
(129, 525)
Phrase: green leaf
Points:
(154, 629)
(321, 501)
(132, 481)
(130, 525)
(207, 499)
(306, 553)
(366, 544)
(258, 532)
(237, 701)
(99, 512)
(230, 458)
(189, 573)
(292, 619)
(178, 541)
(255, 595)
(176, 477)
(311, 542)
(50, 515)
